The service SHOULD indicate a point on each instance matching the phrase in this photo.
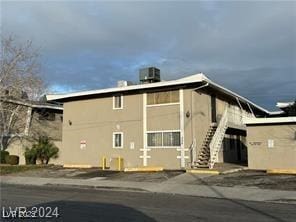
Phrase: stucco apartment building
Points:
(184, 123)
(272, 141)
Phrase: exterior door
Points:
(213, 109)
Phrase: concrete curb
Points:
(282, 171)
(234, 170)
(214, 172)
(239, 193)
(144, 169)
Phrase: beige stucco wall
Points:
(18, 148)
(281, 156)
(197, 125)
(95, 121)
(164, 117)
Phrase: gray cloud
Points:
(249, 47)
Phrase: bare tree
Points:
(19, 81)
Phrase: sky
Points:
(246, 46)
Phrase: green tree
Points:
(45, 150)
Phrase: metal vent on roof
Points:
(149, 75)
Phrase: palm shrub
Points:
(42, 150)
(30, 155)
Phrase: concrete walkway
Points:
(174, 186)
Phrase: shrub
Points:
(30, 156)
(44, 150)
(3, 155)
(12, 159)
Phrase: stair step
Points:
(201, 165)
(203, 159)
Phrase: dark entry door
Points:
(238, 147)
(213, 109)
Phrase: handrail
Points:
(193, 152)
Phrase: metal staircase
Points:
(211, 146)
(217, 140)
(204, 153)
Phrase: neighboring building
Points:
(288, 108)
(272, 141)
(35, 118)
(188, 122)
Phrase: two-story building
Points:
(184, 123)
(29, 119)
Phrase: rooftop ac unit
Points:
(149, 75)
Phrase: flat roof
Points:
(196, 78)
(33, 104)
(254, 121)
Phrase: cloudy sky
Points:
(249, 47)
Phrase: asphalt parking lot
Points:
(60, 172)
(247, 178)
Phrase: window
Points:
(171, 139)
(163, 139)
(154, 139)
(118, 102)
(49, 116)
(163, 97)
(118, 140)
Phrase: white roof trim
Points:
(200, 77)
(252, 121)
(190, 79)
(276, 112)
(284, 104)
(229, 92)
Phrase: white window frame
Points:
(121, 98)
(164, 147)
(163, 104)
(113, 140)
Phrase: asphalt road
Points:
(104, 205)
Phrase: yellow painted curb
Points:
(143, 169)
(281, 171)
(76, 166)
(215, 172)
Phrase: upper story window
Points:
(47, 116)
(163, 97)
(118, 102)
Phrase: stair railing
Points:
(193, 152)
(217, 139)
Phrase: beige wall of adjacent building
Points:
(261, 153)
(52, 129)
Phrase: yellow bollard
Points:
(104, 163)
(119, 163)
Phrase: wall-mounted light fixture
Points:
(187, 114)
(70, 122)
